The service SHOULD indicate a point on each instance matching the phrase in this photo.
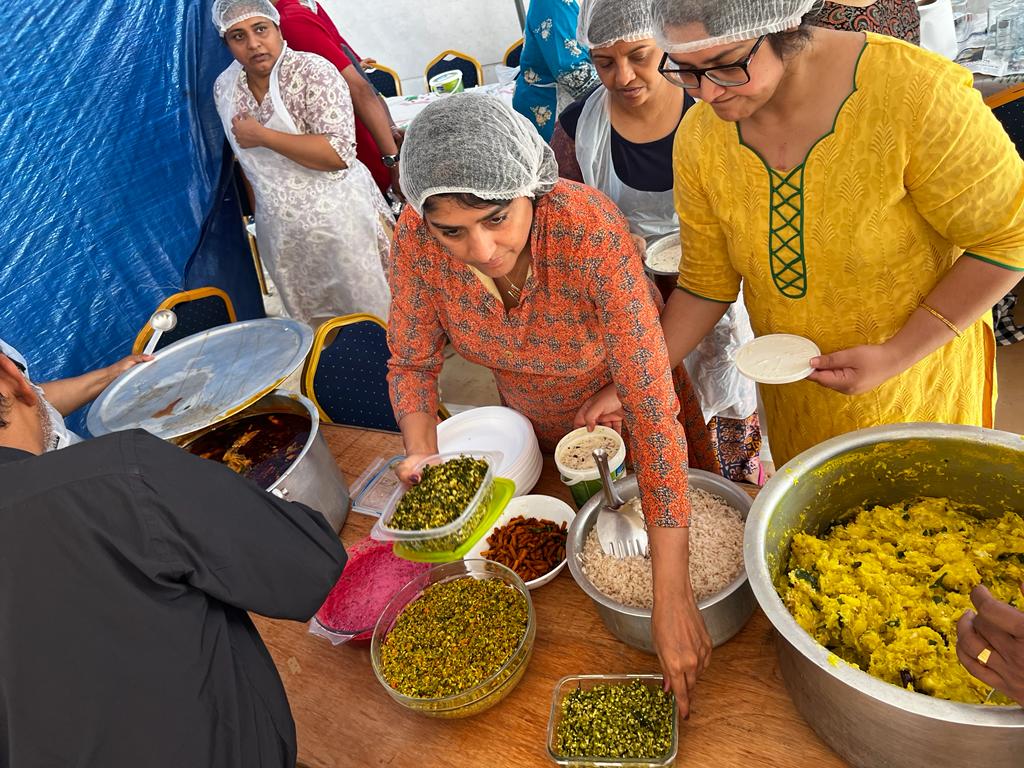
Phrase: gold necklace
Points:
(514, 291)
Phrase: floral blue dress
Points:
(555, 69)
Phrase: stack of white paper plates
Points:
(495, 428)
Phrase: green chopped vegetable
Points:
(937, 584)
(629, 720)
(442, 494)
(454, 636)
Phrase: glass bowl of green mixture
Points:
(455, 640)
(613, 721)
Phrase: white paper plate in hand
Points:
(778, 358)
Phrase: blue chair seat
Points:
(385, 80)
(346, 376)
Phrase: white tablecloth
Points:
(405, 108)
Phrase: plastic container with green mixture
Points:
(463, 522)
(489, 689)
(587, 683)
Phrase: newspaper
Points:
(977, 57)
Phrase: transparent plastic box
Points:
(568, 684)
(451, 536)
(375, 489)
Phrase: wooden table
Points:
(742, 715)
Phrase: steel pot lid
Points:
(203, 378)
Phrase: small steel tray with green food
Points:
(613, 721)
(445, 512)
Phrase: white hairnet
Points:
(15, 355)
(603, 23)
(227, 13)
(476, 144)
(726, 21)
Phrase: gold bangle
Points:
(941, 318)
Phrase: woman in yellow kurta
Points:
(840, 177)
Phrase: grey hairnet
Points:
(476, 144)
(227, 13)
(726, 21)
(603, 23)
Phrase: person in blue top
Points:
(555, 69)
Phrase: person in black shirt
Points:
(127, 567)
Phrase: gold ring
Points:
(984, 655)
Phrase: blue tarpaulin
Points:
(116, 190)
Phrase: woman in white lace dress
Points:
(320, 219)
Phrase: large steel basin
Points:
(865, 720)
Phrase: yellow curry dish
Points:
(884, 587)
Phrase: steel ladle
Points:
(620, 531)
(163, 320)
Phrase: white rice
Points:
(716, 555)
(666, 260)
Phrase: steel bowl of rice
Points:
(622, 588)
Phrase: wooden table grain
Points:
(742, 715)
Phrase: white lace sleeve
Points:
(327, 104)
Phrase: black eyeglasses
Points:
(726, 75)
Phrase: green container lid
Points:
(504, 489)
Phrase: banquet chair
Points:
(346, 374)
(513, 54)
(199, 309)
(1008, 106)
(385, 80)
(472, 72)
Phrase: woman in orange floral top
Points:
(537, 279)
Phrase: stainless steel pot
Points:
(869, 722)
(313, 478)
(724, 613)
(665, 281)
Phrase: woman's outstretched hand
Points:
(680, 638)
(997, 628)
(406, 470)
